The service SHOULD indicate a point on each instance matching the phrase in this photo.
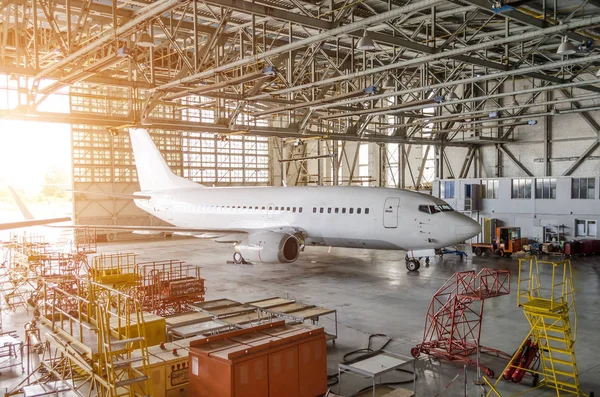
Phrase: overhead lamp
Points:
(493, 115)
(365, 43)
(389, 82)
(145, 40)
(566, 48)
(554, 111)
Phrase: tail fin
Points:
(153, 171)
(22, 207)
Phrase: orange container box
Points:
(269, 360)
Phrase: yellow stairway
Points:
(547, 296)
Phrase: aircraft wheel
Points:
(413, 265)
(478, 251)
(427, 261)
(237, 258)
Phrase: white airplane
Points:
(274, 224)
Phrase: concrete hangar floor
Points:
(374, 293)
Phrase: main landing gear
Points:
(413, 264)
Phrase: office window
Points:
(343, 210)
(489, 188)
(583, 188)
(545, 188)
(521, 188)
(352, 210)
(447, 189)
(366, 211)
(585, 228)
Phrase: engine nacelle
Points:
(269, 247)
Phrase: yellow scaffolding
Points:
(548, 302)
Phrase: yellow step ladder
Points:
(547, 296)
(122, 341)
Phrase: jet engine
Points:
(268, 247)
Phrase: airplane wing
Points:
(115, 195)
(32, 222)
(225, 235)
(160, 229)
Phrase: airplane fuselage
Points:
(353, 217)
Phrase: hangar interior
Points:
(491, 106)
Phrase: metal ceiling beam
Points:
(331, 33)
(463, 81)
(586, 22)
(142, 16)
(520, 17)
(265, 11)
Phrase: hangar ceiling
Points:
(295, 65)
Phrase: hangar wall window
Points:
(489, 188)
(583, 188)
(521, 188)
(447, 189)
(545, 188)
(585, 228)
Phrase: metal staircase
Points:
(547, 296)
(122, 343)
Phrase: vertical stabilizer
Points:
(153, 171)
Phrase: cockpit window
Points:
(434, 209)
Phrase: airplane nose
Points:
(467, 229)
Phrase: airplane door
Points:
(270, 210)
(390, 212)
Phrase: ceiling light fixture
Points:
(365, 43)
(566, 48)
(145, 41)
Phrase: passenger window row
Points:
(248, 208)
(338, 210)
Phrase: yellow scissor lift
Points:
(550, 311)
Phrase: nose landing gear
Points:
(413, 264)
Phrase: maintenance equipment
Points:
(453, 322)
(547, 296)
(508, 240)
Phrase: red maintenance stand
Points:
(453, 323)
